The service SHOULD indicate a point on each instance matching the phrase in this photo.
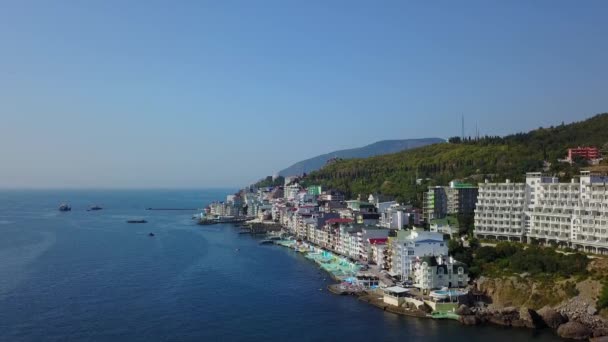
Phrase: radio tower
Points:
(462, 129)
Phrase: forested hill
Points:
(375, 149)
(472, 160)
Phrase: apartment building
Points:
(571, 214)
(457, 198)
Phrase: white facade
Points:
(378, 254)
(291, 191)
(364, 250)
(434, 273)
(571, 214)
(395, 216)
(415, 244)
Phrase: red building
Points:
(587, 153)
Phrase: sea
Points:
(90, 276)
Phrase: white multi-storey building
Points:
(571, 214)
(409, 245)
(500, 210)
(438, 272)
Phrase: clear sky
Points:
(220, 93)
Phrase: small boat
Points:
(266, 242)
(151, 234)
(137, 221)
(65, 207)
(94, 208)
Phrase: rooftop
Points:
(396, 289)
(338, 220)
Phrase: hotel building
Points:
(571, 214)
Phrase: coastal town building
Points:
(446, 226)
(291, 191)
(457, 198)
(398, 216)
(314, 190)
(377, 250)
(408, 245)
(571, 214)
(431, 272)
(366, 235)
(361, 206)
(586, 153)
(395, 295)
(331, 196)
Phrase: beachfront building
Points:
(571, 214)
(431, 272)
(234, 207)
(395, 295)
(378, 251)
(349, 241)
(457, 198)
(411, 244)
(500, 212)
(364, 236)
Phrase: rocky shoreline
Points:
(575, 319)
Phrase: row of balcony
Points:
(492, 230)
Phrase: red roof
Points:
(378, 241)
(339, 220)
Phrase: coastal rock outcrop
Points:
(551, 318)
(579, 310)
(463, 310)
(520, 291)
(508, 317)
(529, 318)
(469, 319)
(574, 330)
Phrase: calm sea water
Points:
(89, 276)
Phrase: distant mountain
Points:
(375, 149)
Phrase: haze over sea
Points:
(90, 276)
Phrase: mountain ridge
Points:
(407, 174)
(374, 149)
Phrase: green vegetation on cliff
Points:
(508, 258)
(473, 160)
(269, 181)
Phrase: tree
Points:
(474, 243)
(455, 140)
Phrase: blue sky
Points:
(221, 93)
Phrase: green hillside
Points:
(474, 160)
